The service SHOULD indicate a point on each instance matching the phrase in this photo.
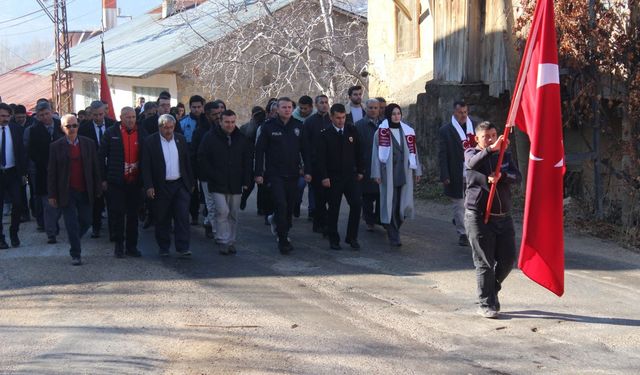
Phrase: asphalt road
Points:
(317, 311)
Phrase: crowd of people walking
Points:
(169, 167)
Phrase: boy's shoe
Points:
(487, 312)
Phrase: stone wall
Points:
(433, 109)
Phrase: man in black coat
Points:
(120, 158)
(150, 124)
(279, 152)
(341, 168)
(168, 182)
(13, 170)
(21, 119)
(318, 122)
(94, 129)
(367, 128)
(41, 134)
(250, 130)
(225, 161)
(211, 119)
(454, 138)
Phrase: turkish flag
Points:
(105, 93)
(539, 115)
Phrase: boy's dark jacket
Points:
(479, 164)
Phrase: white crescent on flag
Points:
(534, 158)
(548, 74)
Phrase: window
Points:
(150, 94)
(407, 13)
(90, 91)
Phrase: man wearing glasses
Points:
(73, 182)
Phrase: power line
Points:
(11, 51)
(43, 28)
(24, 15)
(39, 13)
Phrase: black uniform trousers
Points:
(285, 195)
(494, 251)
(10, 186)
(350, 188)
(123, 205)
(321, 198)
(264, 200)
(172, 204)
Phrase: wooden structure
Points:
(471, 43)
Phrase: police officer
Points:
(279, 152)
(341, 167)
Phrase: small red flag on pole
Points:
(105, 93)
(537, 111)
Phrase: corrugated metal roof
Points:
(20, 87)
(147, 44)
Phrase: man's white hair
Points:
(65, 119)
(163, 119)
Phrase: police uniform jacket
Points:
(279, 150)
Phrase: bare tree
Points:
(16, 54)
(305, 46)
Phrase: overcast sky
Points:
(23, 20)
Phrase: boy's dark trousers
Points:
(494, 251)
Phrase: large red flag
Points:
(539, 115)
(105, 93)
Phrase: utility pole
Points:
(62, 85)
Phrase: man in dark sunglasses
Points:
(73, 182)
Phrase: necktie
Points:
(3, 157)
(229, 140)
(340, 132)
(100, 133)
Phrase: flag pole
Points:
(513, 110)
